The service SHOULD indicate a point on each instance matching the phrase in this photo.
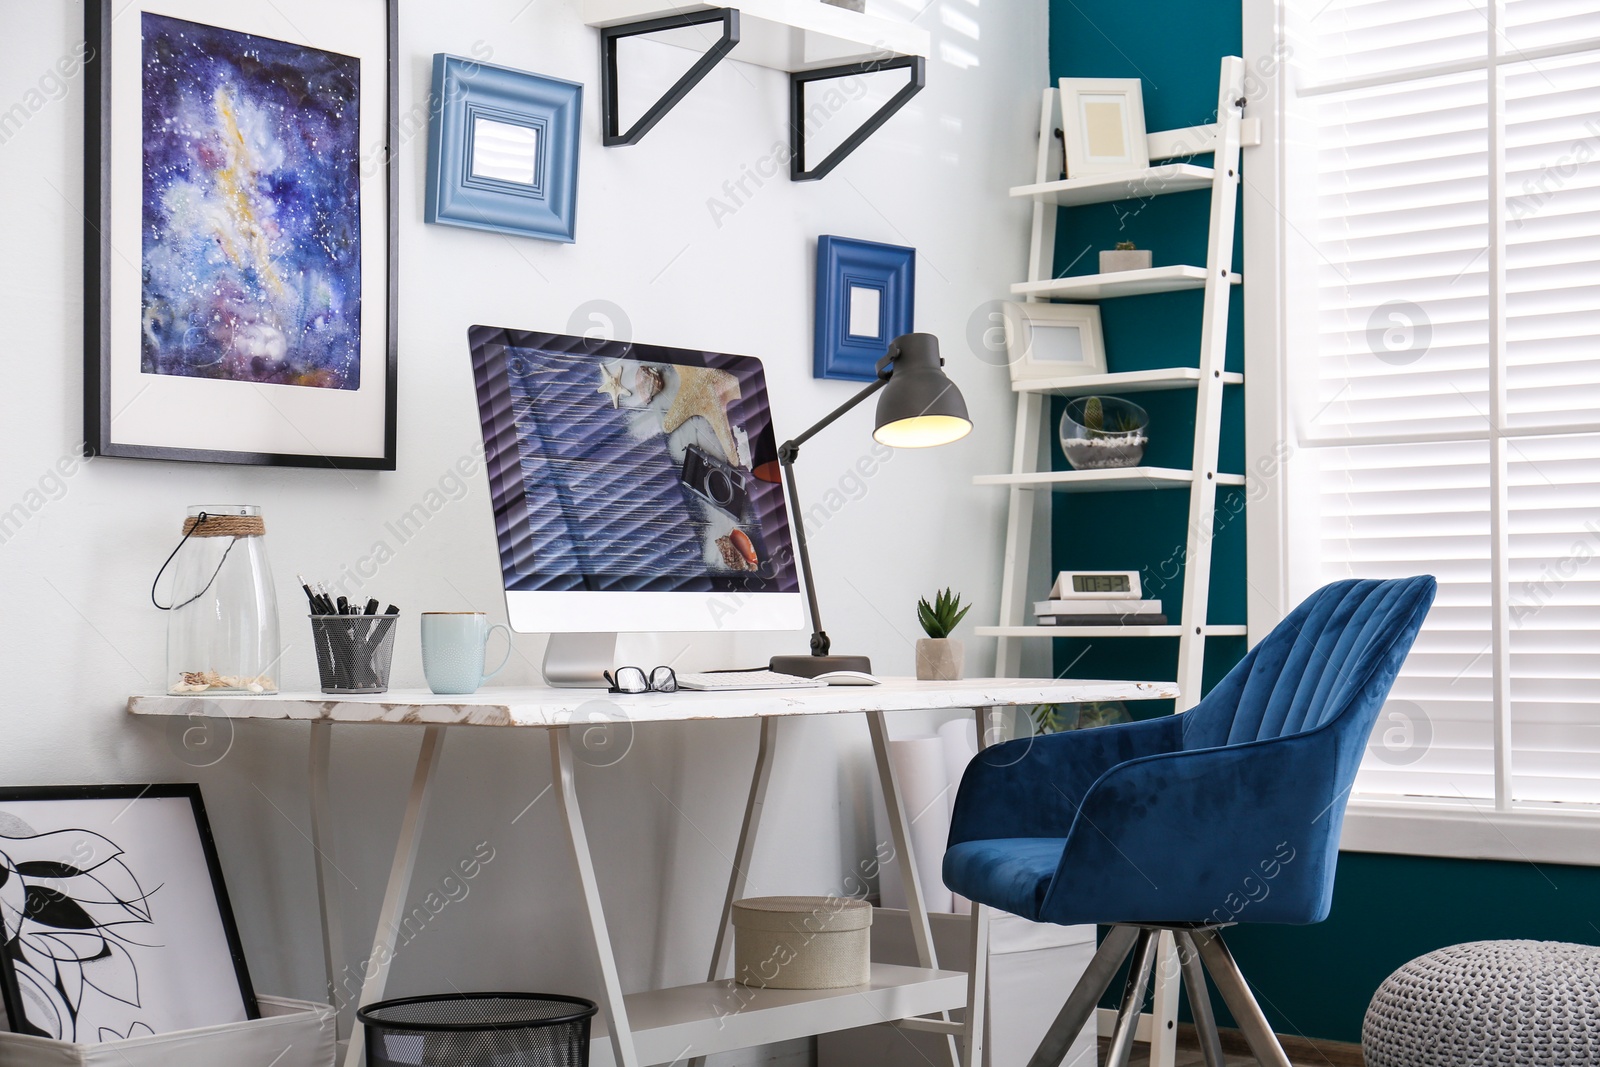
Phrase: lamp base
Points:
(811, 666)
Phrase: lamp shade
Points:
(920, 406)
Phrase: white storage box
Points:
(802, 942)
(290, 1033)
(1032, 968)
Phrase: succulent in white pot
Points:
(940, 657)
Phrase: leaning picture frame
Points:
(1046, 341)
(114, 916)
(1102, 124)
(240, 245)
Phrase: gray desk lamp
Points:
(920, 407)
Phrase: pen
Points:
(392, 610)
(344, 606)
(316, 609)
(372, 607)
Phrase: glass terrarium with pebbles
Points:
(1103, 432)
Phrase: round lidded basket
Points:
(802, 942)
(479, 1030)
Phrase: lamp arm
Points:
(819, 638)
(788, 452)
(791, 448)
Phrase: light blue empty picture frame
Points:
(503, 150)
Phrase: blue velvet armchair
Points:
(1229, 812)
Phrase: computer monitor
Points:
(636, 488)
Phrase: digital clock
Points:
(1099, 585)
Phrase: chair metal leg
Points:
(1236, 994)
(1144, 962)
(1194, 982)
(1080, 1006)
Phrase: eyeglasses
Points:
(634, 680)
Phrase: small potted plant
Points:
(940, 657)
(1124, 257)
(1059, 718)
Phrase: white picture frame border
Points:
(1080, 164)
(1021, 319)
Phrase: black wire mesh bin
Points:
(479, 1030)
(354, 652)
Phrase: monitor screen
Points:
(635, 487)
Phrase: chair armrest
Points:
(1031, 787)
(1245, 832)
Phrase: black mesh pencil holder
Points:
(479, 1030)
(354, 652)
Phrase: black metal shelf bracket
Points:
(917, 65)
(611, 35)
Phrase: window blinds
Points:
(1447, 374)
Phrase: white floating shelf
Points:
(1102, 631)
(1107, 188)
(791, 35)
(1115, 480)
(710, 1017)
(1123, 283)
(1136, 381)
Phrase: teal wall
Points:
(1176, 51)
(1314, 980)
(1317, 980)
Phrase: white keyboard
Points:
(720, 680)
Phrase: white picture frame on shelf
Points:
(1045, 341)
(1102, 123)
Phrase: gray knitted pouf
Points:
(1518, 1003)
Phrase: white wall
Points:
(78, 633)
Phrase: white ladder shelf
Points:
(1031, 478)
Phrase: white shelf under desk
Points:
(645, 1027)
(712, 1017)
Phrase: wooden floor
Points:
(1190, 1057)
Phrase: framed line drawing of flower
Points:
(239, 275)
(114, 919)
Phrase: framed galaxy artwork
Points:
(114, 919)
(239, 268)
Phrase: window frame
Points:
(1427, 826)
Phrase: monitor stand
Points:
(576, 661)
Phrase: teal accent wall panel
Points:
(1311, 980)
(1176, 51)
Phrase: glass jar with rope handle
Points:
(221, 605)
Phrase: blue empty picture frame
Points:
(503, 150)
(856, 279)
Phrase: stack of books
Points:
(1109, 612)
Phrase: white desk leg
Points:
(376, 976)
(567, 794)
(743, 855)
(990, 727)
(900, 835)
(745, 852)
(322, 845)
(977, 987)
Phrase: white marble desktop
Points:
(546, 707)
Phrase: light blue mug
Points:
(453, 647)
